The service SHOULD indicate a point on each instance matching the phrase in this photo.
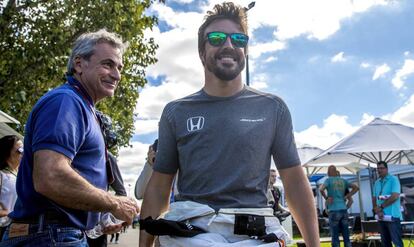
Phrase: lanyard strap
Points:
(82, 92)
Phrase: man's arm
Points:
(322, 190)
(394, 196)
(54, 177)
(354, 189)
(156, 201)
(301, 203)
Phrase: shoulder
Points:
(172, 106)
(62, 94)
(271, 98)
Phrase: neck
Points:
(88, 90)
(216, 87)
(12, 166)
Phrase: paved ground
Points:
(128, 239)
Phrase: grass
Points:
(406, 243)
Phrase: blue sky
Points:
(337, 64)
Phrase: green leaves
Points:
(35, 42)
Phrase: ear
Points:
(201, 55)
(78, 63)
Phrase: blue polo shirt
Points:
(62, 121)
(385, 187)
(336, 187)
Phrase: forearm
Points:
(390, 200)
(79, 195)
(156, 201)
(54, 178)
(301, 203)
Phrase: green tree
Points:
(36, 39)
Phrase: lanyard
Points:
(382, 181)
(82, 92)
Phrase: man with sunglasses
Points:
(386, 203)
(64, 174)
(220, 141)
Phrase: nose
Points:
(228, 42)
(116, 74)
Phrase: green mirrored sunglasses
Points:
(238, 40)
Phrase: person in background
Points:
(144, 177)
(337, 209)
(274, 196)
(11, 150)
(386, 203)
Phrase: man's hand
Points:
(329, 200)
(151, 155)
(378, 210)
(126, 209)
(112, 229)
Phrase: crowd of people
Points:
(207, 176)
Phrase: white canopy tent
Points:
(380, 140)
(6, 129)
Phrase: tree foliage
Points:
(36, 40)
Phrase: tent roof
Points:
(378, 140)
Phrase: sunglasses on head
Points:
(238, 40)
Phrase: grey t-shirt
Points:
(222, 146)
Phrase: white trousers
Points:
(219, 227)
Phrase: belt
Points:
(48, 217)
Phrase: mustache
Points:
(227, 52)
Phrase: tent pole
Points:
(361, 206)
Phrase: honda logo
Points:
(195, 123)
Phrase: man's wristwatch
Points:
(382, 206)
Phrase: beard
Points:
(222, 72)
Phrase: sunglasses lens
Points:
(20, 150)
(239, 40)
(216, 38)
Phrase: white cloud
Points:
(405, 114)
(399, 79)
(338, 57)
(365, 65)
(270, 59)
(407, 53)
(380, 71)
(334, 128)
(263, 48)
(259, 82)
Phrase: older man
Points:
(220, 140)
(65, 172)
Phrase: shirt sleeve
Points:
(166, 159)
(396, 187)
(60, 124)
(284, 149)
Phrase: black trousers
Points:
(102, 241)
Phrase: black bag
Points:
(169, 227)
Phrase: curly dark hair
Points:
(6, 145)
(226, 10)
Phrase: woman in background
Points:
(11, 151)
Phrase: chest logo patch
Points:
(195, 123)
